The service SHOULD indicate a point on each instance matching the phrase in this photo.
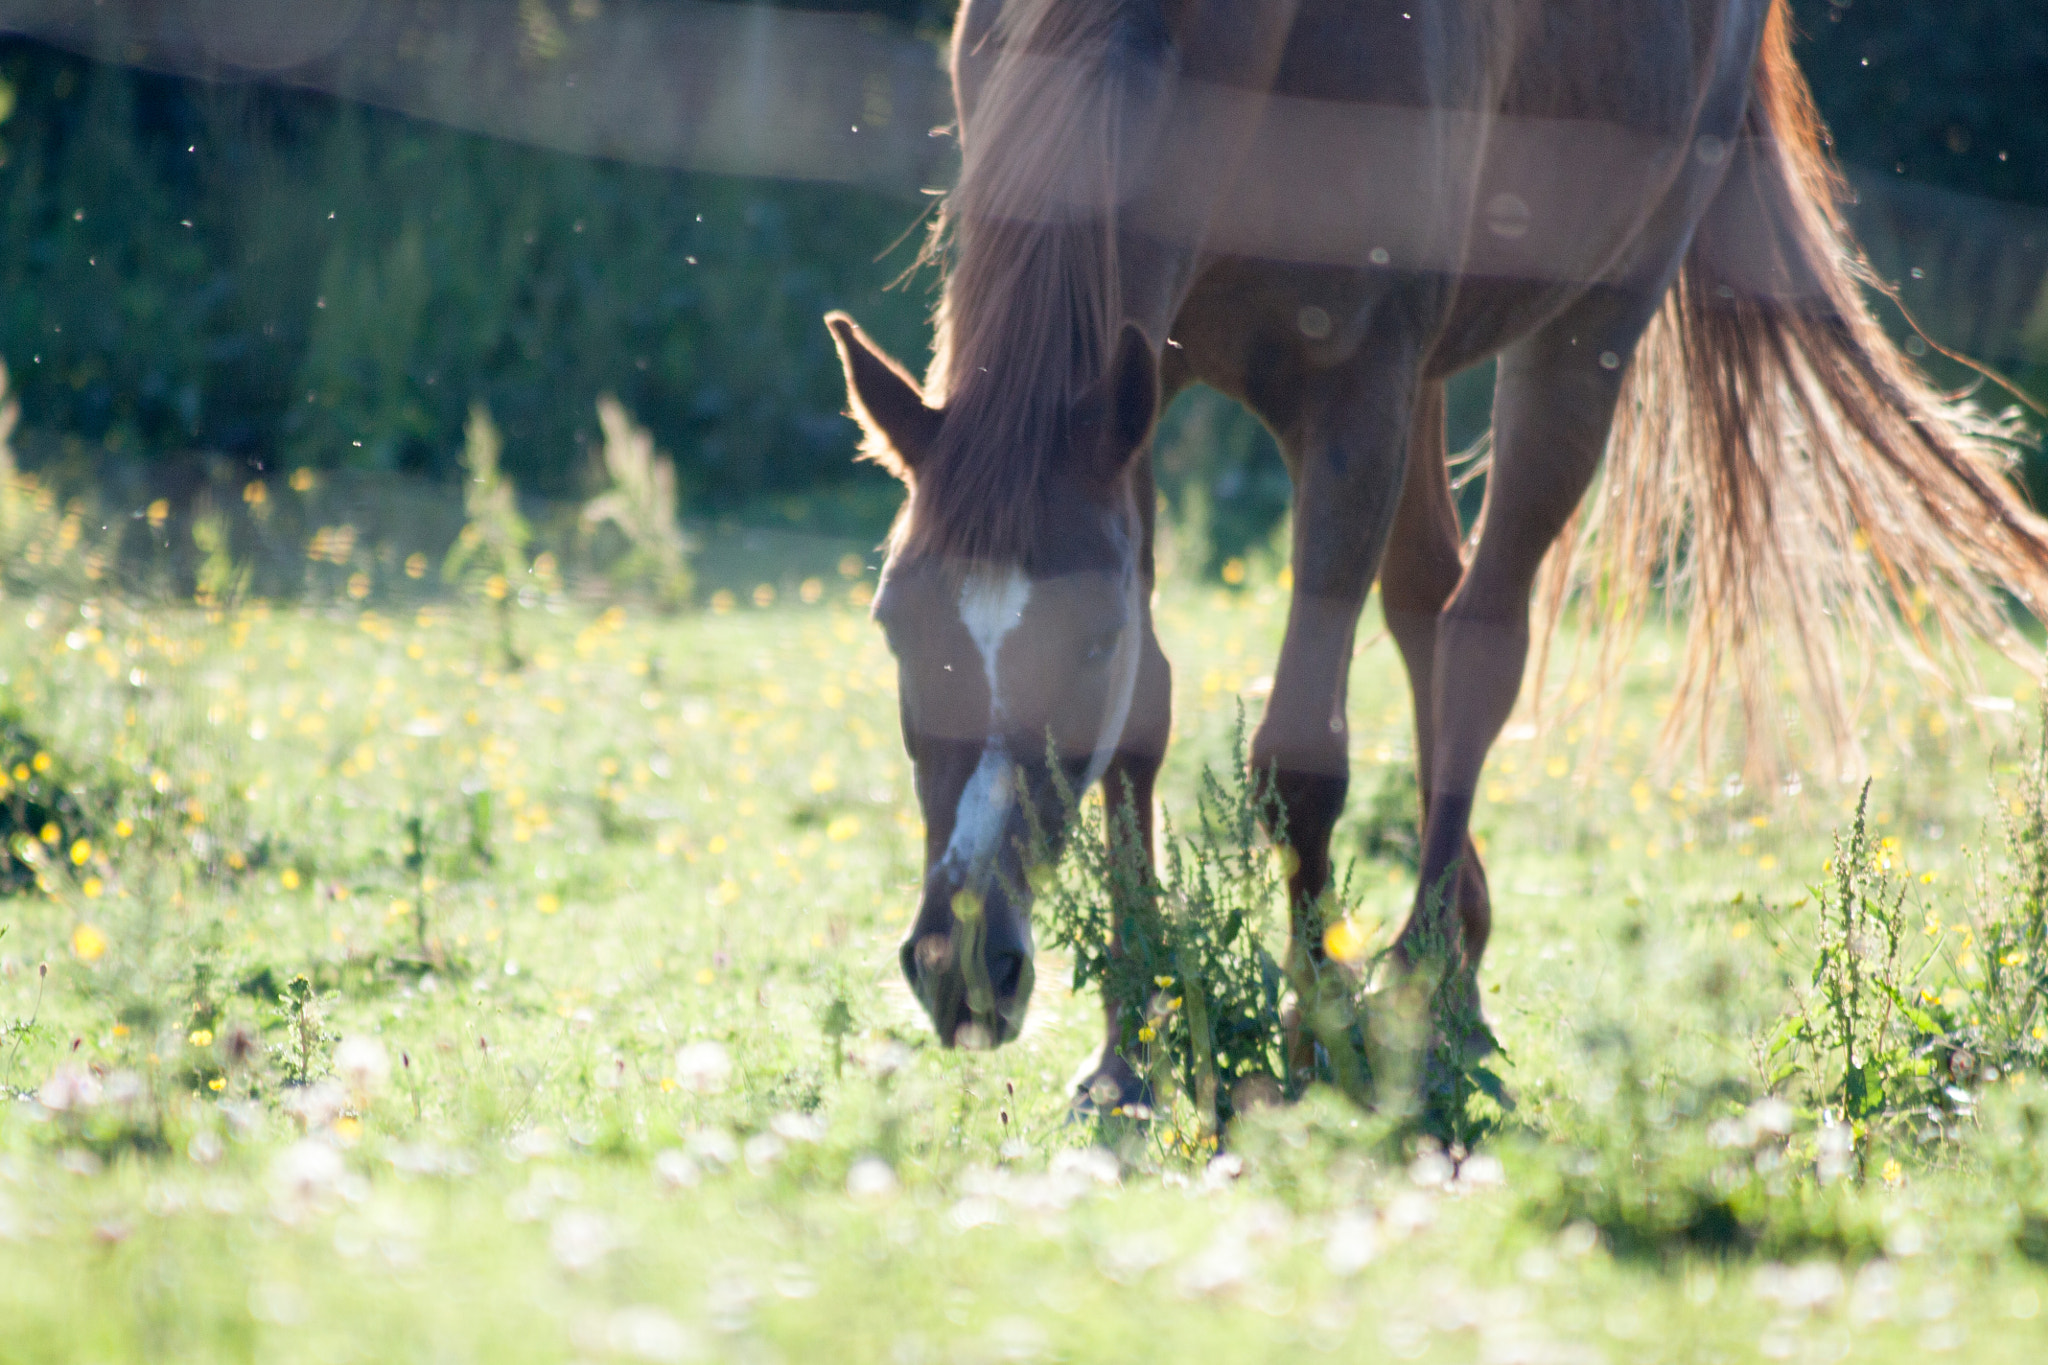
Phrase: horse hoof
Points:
(1104, 1085)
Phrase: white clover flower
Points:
(704, 1067)
(363, 1064)
(68, 1089)
(675, 1170)
(651, 1334)
(871, 1178)
(318, 1105)
(580, 1239)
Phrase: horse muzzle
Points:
(968, 961)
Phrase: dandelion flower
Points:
(1346, 940)
(88, 943)
(80, 851)
(201, 1037)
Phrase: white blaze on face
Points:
(991, 605)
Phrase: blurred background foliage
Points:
(208, 282)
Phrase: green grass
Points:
(532, 888)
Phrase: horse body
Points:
(1324, 209)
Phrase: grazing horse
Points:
(1324, 209)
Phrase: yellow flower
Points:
(217, 1083)
(89, 943)
(93, 888)
(1146, 1033)
(289, 879)
(1894, 1174)
(41, 763)
(549, 903)
(1346, 940)
(49, 833)
(201, 1037)
(80, 851)
(123, 829)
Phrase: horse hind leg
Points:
(1554, 402)
(1420, 572)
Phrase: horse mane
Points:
(1032, 302)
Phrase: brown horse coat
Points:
(1324, 208)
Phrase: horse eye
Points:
(1102, 646)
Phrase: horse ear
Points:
(886, 402)
(1123, 405)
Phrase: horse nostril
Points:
(933, 954)
(1006, 974)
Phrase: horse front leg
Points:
(1107, 1077)
(1347, 454)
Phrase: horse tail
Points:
(1786, 481)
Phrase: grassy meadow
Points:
(366, 998)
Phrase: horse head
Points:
(1015, 670)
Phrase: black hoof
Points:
(1105, 1085)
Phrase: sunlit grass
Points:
(611, 1060)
